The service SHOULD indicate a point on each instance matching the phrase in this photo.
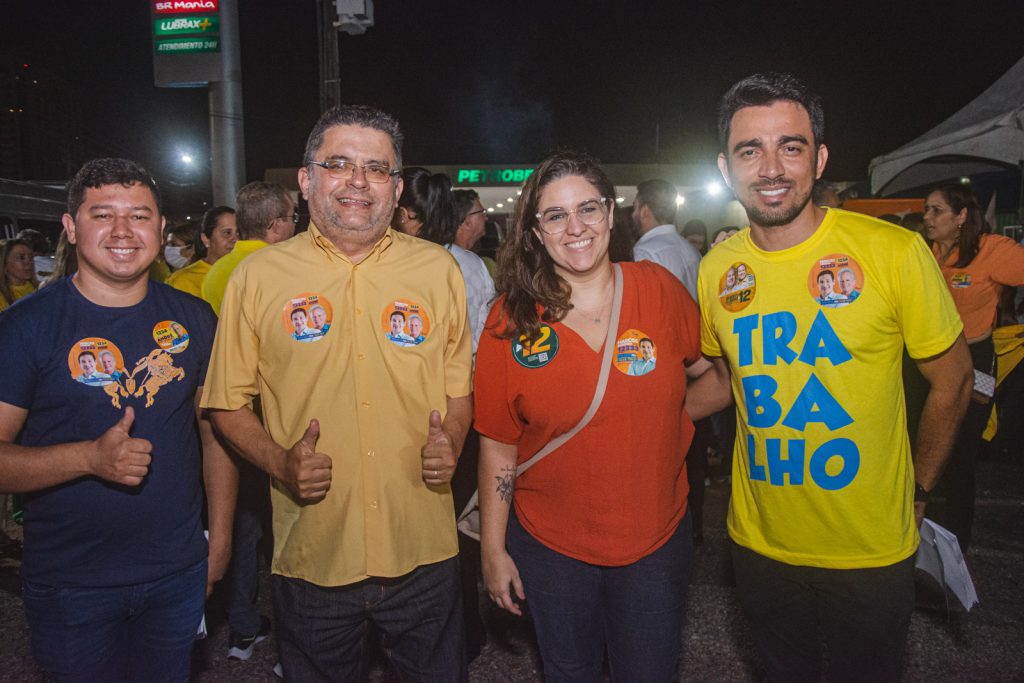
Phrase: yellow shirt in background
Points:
(371, 385)
(190, 278)
(217, 277)
(18, 291)
(159, 271)
(814, 335)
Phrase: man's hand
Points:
(305, 472)
(439, 456)
(119, 458)
(217, 564)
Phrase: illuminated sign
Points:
(174, 26)
(184, 6)
(499, 176)
(184, 45)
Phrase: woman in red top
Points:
(977, 266)
(597, 539)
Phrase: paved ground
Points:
(985, 645)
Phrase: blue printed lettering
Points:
(816, 404)
(778, 330)
(762, 409)
(756, 471)
(744, 327)
(823, 342)
(835, 448)
(793, 466)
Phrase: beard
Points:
(775, 216)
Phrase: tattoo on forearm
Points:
(506, 483)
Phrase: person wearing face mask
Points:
(177, 252)
(19, 271)
(217, 236)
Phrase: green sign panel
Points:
(186, 45)
(176, 26)
(500, 176)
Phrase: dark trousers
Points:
(848, 624)
(958, 479)
(579, 609)
(241, 580)
(321, 632)
(138, 632)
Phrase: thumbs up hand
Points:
(305, 472)
(117, 457)
(438, 453)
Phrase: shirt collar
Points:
(320, 241)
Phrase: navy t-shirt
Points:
(75, 366)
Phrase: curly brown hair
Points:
(534, 293)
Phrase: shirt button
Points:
(373, 504)
(359, 311)
(370, 453)
(366, 404)
(361, 356)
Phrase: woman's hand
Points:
(502, 578)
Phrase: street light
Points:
(713, 188)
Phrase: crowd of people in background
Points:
(351, 385)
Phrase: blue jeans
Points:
(241, 580)
(321, 632)
(579, 609)
(140, 632)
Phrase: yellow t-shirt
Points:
(316, 336)
(159, 271)
(813, 334)
(190, 278)
(18, 291)
(217, 277)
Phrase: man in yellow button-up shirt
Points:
(361, 433)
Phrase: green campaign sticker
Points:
(538, 353)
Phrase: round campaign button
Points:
(635, 353)
(171, 336)
(835, 281)
(538, 353)
(405, 323)
(737, 287)
(307, 317)
(95, 362)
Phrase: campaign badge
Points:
(405, 323)
(307, 317)
(95, 362)
(960, 280)
(737, 287)
(538, 353)
(171, 336)
(835, 281)
(635, 353)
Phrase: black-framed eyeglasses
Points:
(295, 218)
(555, 220)
(473, 213)
(341, 169)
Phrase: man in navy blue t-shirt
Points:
(99, 430)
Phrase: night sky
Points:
(488, 82)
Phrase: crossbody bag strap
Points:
(602, 380)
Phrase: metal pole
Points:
(330, 73)
(227, 142)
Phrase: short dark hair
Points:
(660, 197)
(100, 172)
(826, 272)
(398, 313)
(695, 226)
(648, 340)
(762, 90)
(259, 203)
(429, 196)
(464, 203)
(213, 215)
(83, 354)
(354, 115)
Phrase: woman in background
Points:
(19, 271)
(217, 236)
(976, 266)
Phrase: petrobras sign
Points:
(185, 6)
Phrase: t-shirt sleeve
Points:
(208, 327)
(709, 343)
(1008, 264)
(924, 307)
(494, 406)
(458, 353)
(21, 369)
(231, 382)
(678, 306)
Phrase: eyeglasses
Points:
(473, 213)
(295, 218)
(554, 221)
(340, 169)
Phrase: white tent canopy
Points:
(986, 135)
